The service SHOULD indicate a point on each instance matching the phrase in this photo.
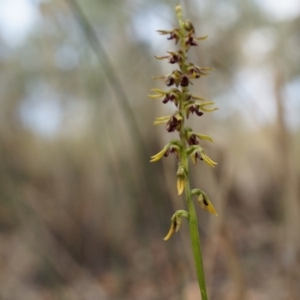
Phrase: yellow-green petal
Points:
(171, 231)
(204, 137)
(205, 204)
(160, 154)
(201, 38)
(194, 158)
(161, 120)
(203, 107)
(208, 160)
(180, 184)
(161, 57)
(155, 96)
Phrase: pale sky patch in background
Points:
(280, 10)
(17, 19)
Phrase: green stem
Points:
(193, 225)
(195, 239)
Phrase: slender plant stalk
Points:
(193, 223)
(194, 235)
(187, 145)
(195, 239)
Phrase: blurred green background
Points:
(83, 212)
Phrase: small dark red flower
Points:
(195, 71)
(184, 80)
(170, 81)
(194, 109)
(171, 150)
(192, 140)
(173, 124)
(174, 59)
(189, 41)
(174, 35)
(171, 98)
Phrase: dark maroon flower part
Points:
(170, 81)
(189, 41)
(170, 97)
(192, 140)
(171, 150)
(194, 109)
(184, 80)
(173, 124)
(175, 58)
(198, 155)
(174, 35)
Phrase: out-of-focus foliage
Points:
(83, 212)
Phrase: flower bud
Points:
(206, 204)
(176, 222)
(188, 26)
(181, 179)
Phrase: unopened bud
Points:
(188, 26)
